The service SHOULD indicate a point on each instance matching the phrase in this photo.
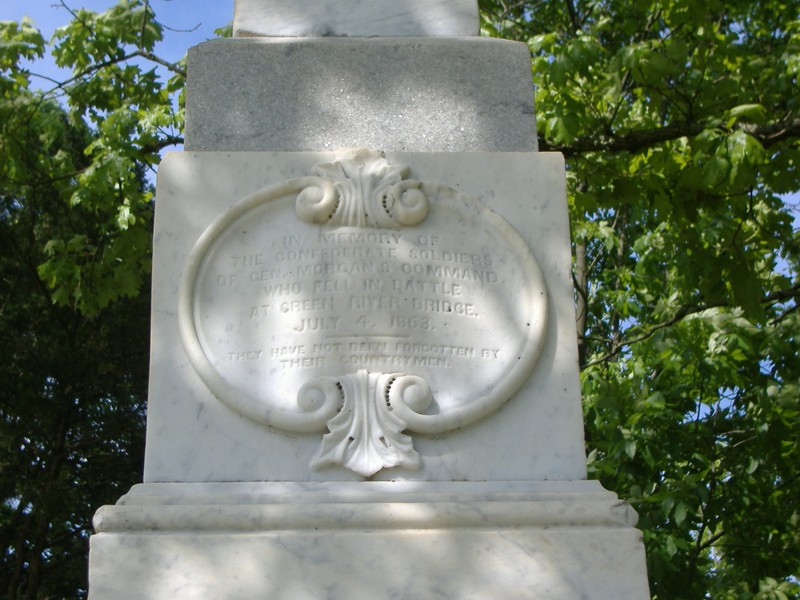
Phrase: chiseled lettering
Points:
(394, 360)
(317, 324)
(305, 304)
(265, 275)
(410, 321)
(374, 302)
(359, 237)
(429, 254)
(428, 240)
(246, 355)
(283, 289)
(332, 285)
(368, 346)
(444, 306)
(450, 272)
(420, 348)
(327, 347)
(433, 287)
(333, 269)
(259, 312)
(372, 284)
(292, 240)
(337, 253)
(247, 260)
(306, 362)
(281, 351)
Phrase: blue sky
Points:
(192, 21)
(189, 22)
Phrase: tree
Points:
(680, 122)
(75, 234)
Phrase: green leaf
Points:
(751, 113)
(680, 513)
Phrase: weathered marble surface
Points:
(533, 540)
(393, 94)
(192, 436)
(355, 18)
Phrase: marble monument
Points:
(363, 367)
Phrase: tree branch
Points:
(629, 142)
(573, 16)
(158, 60)
(683, 312)
(143, 28)
(710, 541)
(110, 63)
(159, 145)
(768, 135)
(580, 279)
(774, 133)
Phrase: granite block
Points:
(397, 94)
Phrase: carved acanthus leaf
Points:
(365, 436)
(362, 189)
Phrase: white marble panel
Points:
(193, 436)
(355, 18)
(521, 564)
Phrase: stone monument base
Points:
(548, 540)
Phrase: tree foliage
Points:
(75, 236)
(680, 122)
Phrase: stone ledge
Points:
(355, 560)
(386, 506)
(277, 492)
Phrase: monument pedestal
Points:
(381, 340)
(371, 540)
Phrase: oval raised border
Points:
(314, 418)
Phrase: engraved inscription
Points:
(383, 286)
